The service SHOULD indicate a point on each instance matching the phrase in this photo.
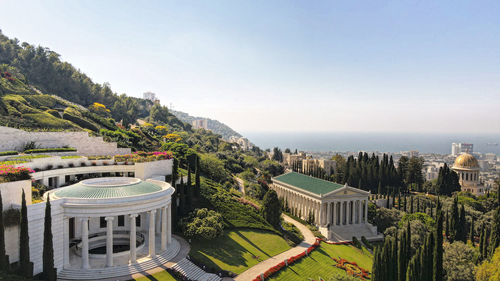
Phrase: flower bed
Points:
(9, 173)
(141, 156)
(275, 269)
(352, 268)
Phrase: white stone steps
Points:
(123, 270)
(193, 272)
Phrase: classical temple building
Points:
(467, 168)
(339, 211)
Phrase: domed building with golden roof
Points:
(467, 168)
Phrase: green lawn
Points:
(238, 249)
(320, 264)
(161, 276)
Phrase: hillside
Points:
(215, 126)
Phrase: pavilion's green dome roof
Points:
(104, 188)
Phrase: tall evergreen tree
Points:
(411, 204)
(175, 171)
(481, 242)
(189, 191)
(197, 181)
(447, 226)
(49, 272)
(454, 221)
(462, 222)
(495, 226)
(471, 232)
(438, 246)
(405, 205)
(271, 210)
(26, 266)
(413, 273)
(402, 258)
(4, 262)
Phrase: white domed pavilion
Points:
(467, 168)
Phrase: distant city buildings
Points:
(243, 143)
(200, 124)
(459, 148)
(311, 164)
(150, 96)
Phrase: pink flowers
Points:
(9, 173)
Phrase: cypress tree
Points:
(394, 258)
(174, 208)
(4, 263)
(175, 171)
(189, 191)
(429, 257)
(411, 204)
(399, 201)
(49, 272)
(24, 241)
(405, 208)
(414, 267)
(484, 250)
(454, 221)
(461, 230)
(182, 197)
(471, 233)
(418, 204)
(402, 265)
(388, 205)
(376, 267)
(481, 242)
(197, 181)
(495, 226)
(447, 226)
(438, 247)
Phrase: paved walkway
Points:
(261, 267)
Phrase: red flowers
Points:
(7, 76)
(352, 268)
(9, 173)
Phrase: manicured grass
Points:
(238, 249)
(71, 157)
(320, 263)
(162, 275)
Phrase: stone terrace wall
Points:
(14, 139)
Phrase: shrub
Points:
(356, 242)
(203, 223)
(43, 150)
(5, 153)
(80, 122)
(9, 173)
(367, 243)
(53, 112)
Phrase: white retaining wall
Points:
(15, 139)
(12, 193)
(149, 170)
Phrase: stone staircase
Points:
(346, 232)
(193, 272)
(121, 270)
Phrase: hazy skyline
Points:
(400, 66)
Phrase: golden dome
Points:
(466, 161)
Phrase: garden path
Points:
(261, 267)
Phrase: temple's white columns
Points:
(152, 238)
(329, 213)
(359, 211)
(66, 241)
(366, 211)
(109, 241)
(318, 213)
(334, 216)
(169, 223)
(341, 212)
(133, 239)
(350, 212)
(158, 220)
(85, 243)
(164, 228)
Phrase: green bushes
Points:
(6, 153)
(80, 122)
(367, 243)
(44, 150)
(53, 112)
(356, 242)
(45, 120)
(203, 223)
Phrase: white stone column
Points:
(158, 220)
(366, 211)
(133, 239)
(169, 223)
(66, 241)
(152, 238)
(360, 209)
(85, 243)
(334, 217)
(341, 212)
(164, 228)
(109, 241)
(329, 213)
(349, 205)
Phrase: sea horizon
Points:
(393, 142)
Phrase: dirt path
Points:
(261, 267)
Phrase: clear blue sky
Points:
(401, 66)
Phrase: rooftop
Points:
(105, 188)
(308, 183)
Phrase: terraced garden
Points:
(238, 249)
(321, 265)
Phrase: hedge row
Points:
(5, 153)
(80, 122)
(43, 150)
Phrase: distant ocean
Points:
(382, 142)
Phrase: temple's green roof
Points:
(107, 188)
(308, 183)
